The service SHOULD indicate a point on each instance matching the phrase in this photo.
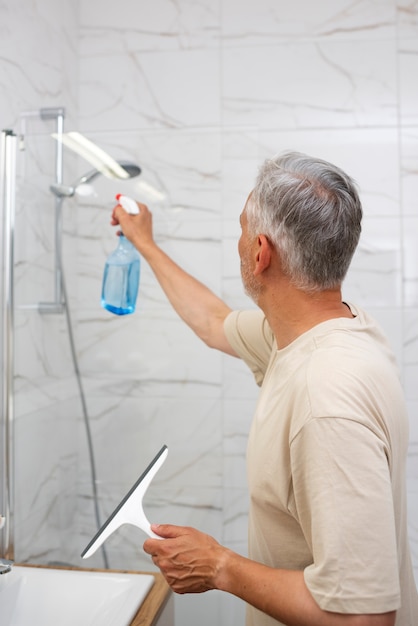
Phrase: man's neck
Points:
(291, 312)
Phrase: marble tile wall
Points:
(198, 94)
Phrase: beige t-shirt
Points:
(326, 464)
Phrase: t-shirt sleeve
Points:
(343, 501)
(251, 337)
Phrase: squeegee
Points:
(130, 509)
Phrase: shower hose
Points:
(86, 417)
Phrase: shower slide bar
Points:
(58, 305)
(45, 114)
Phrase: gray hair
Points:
(311, 212)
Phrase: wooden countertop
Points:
(151, 608)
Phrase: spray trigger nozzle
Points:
(128, 204)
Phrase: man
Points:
(326, 453)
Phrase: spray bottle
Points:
(121, 272)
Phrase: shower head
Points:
(64, 191)
(131, 170)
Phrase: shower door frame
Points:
(8, 195)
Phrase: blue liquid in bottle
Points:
(121, 279)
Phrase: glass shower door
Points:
(40, 401)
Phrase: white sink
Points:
(47, 597)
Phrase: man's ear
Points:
(264, 253)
